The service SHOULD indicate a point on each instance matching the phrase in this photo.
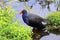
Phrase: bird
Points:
(33, 20)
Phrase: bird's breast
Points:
(26, 18)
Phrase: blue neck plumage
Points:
(25, 17)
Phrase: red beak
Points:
(21, 11)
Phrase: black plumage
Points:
(33, 20)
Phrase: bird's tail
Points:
(46, 22)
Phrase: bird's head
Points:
(22, 11)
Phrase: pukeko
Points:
(33, 20)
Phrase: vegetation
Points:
(55, 20)
(11, 29)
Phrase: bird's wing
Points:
(35, 18)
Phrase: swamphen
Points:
(33, 20)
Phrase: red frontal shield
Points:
(21, 11)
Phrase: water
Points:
(51, 36)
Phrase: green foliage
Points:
(55, 18)
(54, 21)
(6, 16)
(11, 29)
